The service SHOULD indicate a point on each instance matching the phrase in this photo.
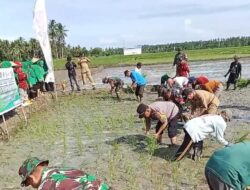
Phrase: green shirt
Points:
(164, 78)
(39, 72)
(232, 165)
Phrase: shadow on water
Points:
(141, 144)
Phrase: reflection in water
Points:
(212, 69)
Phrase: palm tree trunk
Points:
(62, 52)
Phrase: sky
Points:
(128, 23)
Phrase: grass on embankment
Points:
(154, 58)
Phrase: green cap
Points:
(28, 167)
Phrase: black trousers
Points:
(49, 87)
(71, 79)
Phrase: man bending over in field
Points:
(138, 82)
(197, 129)
(166, 113)
(115, 83)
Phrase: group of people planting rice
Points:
(192, 100)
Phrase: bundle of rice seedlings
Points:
(243, 83)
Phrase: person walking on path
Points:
(35, 172)
(70, 66)
(115, 84)
(138, 82)
(229, 168)
(197, 129)
(85, 71)
(234, 72)
(166, 113)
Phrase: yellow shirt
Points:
(83, 63)
(202, 99)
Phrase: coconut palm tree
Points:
(61, 35)
(53, 36)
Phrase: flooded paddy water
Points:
(96, 133)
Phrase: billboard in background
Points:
(132, 51)
(9, 92)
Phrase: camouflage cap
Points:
(28, 167)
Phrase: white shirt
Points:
(138, 70)
(199, 128)
(180, 82)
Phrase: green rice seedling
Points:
(243, 83)
(159, 183)
(111, 167)
(65, 147)
(175, 173)
(151, 144)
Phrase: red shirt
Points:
(183, 69)
(201, 80)
(22, 79)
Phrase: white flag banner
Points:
(40, 23)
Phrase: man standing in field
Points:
(202, 102)
(229, 168)
(234, 71)
(138, 67)
(166, 113)
(138, 82)
(85, 71)
(183, 68)
(36, 173)
(177, 58)
(70, 66)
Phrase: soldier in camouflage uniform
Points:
(36, 173)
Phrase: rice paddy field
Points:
(94, 132)
(158, 58)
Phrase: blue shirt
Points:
(138, 78)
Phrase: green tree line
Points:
(21, 49)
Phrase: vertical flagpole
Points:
(40, 23)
